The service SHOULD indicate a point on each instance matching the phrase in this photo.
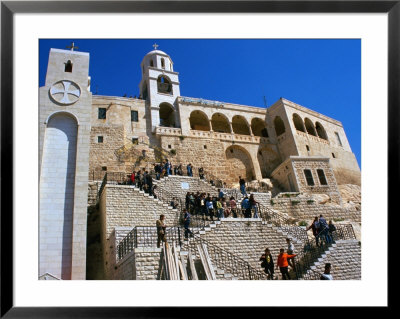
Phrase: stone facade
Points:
(292, 175)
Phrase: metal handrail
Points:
(147, 236)
(224, 259)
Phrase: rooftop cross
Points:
(155, 45)
(72, 46)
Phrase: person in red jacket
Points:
(133, 179)
(282, 263)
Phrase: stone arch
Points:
(310, 127)
(199, 121)
(258, 127)
(167, 115)
(164, 84)
(321, 131)
(298, 123)
(268, 160)
(279, 126)
(57, 192)
(239, 163)
(240, 125)
(220, 123)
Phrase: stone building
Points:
(82, 136)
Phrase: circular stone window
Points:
(65, 92)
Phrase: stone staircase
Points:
(247, 238)
(345, 257)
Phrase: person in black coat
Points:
(268, 264)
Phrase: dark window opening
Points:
(99, 139)
(264, 132)
(102, 113)
(333, 155)
(162, 63)
(321, 176)
(151, 63)
(68, 66)
(135, 140)
(279, 126)
(309, 177)
(134, 116)
(205, 147)
(307, 147)
(104, 168)
(169, 146)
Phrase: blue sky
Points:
(322, 75)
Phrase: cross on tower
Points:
(72, 46)
(155, 45)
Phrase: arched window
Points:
(240, 125)
(298, 123)
(68, 66)
(164, 85)
(220, 123)
(199, 121)
(321, 131)
(279, 126)
(151, 63)
(167, 115)
(310, 127)
(258, 127)
(162, 63)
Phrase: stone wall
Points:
(126, 206)
(92, 193)
(306, 208)
(103, 154)
(147, 263)
(173, 184)
(139, 264)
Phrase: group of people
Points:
(220, 206)
(166, 168)
(322, 230)
(143, 180)
(284, 260)
(210, 206)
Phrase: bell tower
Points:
(160, 87)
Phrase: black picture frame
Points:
(9, 8)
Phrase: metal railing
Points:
(167, 196)
(287, 225)
(226, 260)
(146, 236)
